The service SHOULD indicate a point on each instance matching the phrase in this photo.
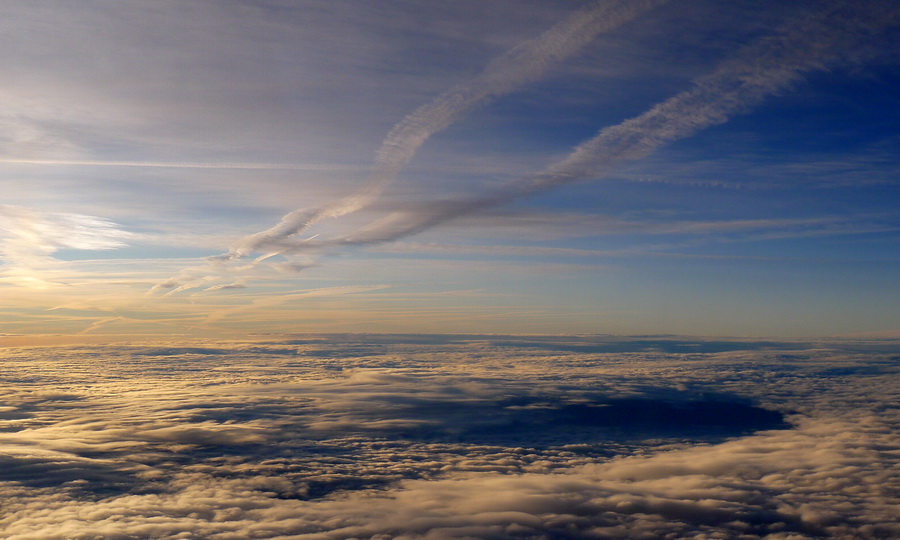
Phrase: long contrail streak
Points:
(766, 67)
(526, 63)
(770, 65)
(184, 165)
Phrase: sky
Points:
(503, 166)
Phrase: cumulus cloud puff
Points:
(451, 437)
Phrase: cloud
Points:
(525, 63)
(29, 238)
(449, 437)
(753, 486)
(773, 64)
(186, 165)
(271, 301)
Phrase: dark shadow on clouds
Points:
(347, 345)
(539, 423)
(332, 345)
(99, 477)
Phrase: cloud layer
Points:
(405, 437)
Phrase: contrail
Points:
(185, 165)
(525, 63)
(770, 65)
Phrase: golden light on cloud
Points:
(430, 270)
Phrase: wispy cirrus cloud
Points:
(526, 63)
(186, 165)
(523, 64)
(772, 64)
(284, 298)
(29, 238)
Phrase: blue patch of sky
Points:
(142, 252)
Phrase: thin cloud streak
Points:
(29, 238)
(524, 64)
(767, 67)
(187, 165)
(273, 301)
(813, 42)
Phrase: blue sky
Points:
(682, 166)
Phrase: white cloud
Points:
(29, 238)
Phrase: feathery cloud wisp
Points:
(526, 63)
(770, 65)
(814, 41)
(28, 238)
